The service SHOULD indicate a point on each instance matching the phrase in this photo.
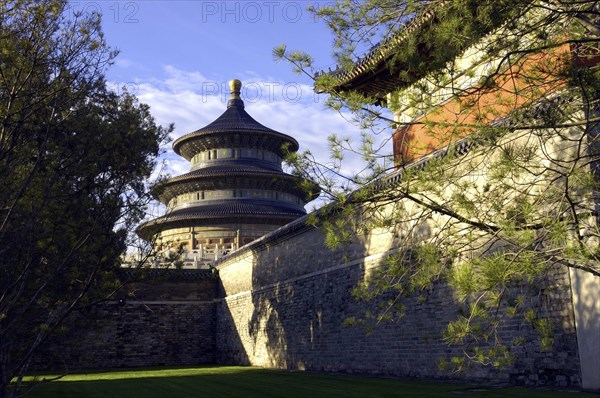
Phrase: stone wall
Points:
(282, 302)
(286, 298)
(169, 320)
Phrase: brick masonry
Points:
(164, 322)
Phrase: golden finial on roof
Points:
(236, 87)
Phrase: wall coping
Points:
(141, 275)
(369, 262)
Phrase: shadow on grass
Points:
(255, 382)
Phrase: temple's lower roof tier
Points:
(241, 212)
(223, 177)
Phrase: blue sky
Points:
(223, 38)
(177, 56)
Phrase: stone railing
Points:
(200, 258)
(204, 255)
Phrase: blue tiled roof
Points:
(234, 121)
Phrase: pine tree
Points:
(500, 189)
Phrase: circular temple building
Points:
(236, 190)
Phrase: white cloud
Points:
(129, 64)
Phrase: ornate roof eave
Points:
(206, 179)
(378, 72)
(371, 74)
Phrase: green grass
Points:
(247, 382)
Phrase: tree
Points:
(496, 154)
(74, 158)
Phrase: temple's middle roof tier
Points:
(233, 177)
(235, 128)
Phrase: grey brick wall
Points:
(165, 322)
(282, 301)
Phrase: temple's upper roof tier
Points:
(235, 128)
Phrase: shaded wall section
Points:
(286, 296)
(586, 301)
(167, 320)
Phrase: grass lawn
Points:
(247, 382)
